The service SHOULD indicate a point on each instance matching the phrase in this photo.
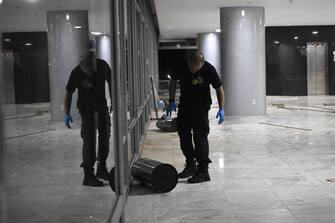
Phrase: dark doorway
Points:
(31, 73)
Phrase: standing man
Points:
(89, 78)
(195, 75)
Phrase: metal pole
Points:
(3, 212)
(116, 98)
(154, 95)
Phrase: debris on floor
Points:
(278, 105)
(331, 180)
(285, 126)
(167, 124)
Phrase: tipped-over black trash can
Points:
(160, 177)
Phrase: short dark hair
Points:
(86, 60)
(195, 57)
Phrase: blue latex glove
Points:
(220, 115)
(171, 107)
(67, 120)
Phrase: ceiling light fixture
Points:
(78, 27)
(218, 30)
(96, 33)
(1, 1)
(276, 42)
(28, 44)
(67, 17)
(296, 37)
(243, 12)
(315, 32)
(6, 40)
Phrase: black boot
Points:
(189, 170)
(202, 175)
(90, 179)
(102, 172)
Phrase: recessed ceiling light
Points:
(78, 27)
(315, 32)
(178, 45)
(6, 40)
(296, 37)
(218, 30)
(243, 12)
(276, 42)
(96, 33)
(28, 44)
(67, 17)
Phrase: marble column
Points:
(103, 51)
(209, 45)
(103, 48)
(68, 39)
(2, 74)
(243, 60)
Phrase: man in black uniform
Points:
(89, 78)
(195, 75)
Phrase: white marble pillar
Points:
(209, 45)
(2, 74)
(68, 39)
(243, 60)
(103, 51)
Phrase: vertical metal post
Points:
(3, 212)
(116, 100)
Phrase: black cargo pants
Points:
(90, 122)
(193, 124)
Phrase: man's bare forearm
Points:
(172, 89)
(67, 102)
(220, 96)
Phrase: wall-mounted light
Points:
(28, 44)
(78, 27)
(315, 32)
(96, 33)
(218, 30)
(296, 37)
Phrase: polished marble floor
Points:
(266, 169)
(42, 170)
(269, 169)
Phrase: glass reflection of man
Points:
(89, 78)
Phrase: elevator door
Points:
(317, 74)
